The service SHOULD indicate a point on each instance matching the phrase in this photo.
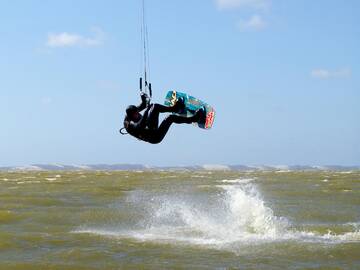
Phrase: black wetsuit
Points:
(147, 128)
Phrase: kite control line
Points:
(144, 85)
(145, 54)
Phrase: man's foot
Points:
(199, 116)
(179, 105)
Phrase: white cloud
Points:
(65, 39)
(329, 74)
(255, 23)
(234, 4)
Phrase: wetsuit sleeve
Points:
(142, 123)
(143, 104)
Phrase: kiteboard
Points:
(192, 104)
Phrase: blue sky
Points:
(283, 77)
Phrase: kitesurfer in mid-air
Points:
(146, 126)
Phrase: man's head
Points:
(132, 113)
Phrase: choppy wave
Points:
(237, 215)
(216, 167)
(238, 181)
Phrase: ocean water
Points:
(180, 220)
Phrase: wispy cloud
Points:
(325, 74)
(65, 39)
(252, 4)
(255, 23)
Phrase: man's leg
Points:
(160, 133)
(155, 110)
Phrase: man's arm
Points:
(144, 102)
(141, 124)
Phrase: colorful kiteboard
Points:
(192, 104)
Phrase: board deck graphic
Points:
(192, 104)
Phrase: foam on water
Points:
(29, 182)
(29, 177)
(238, 181)
(236, 216)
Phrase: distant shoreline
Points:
(139, 167)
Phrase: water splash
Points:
(235, 215)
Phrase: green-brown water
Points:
(180, 220)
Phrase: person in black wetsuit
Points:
(146, 127)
